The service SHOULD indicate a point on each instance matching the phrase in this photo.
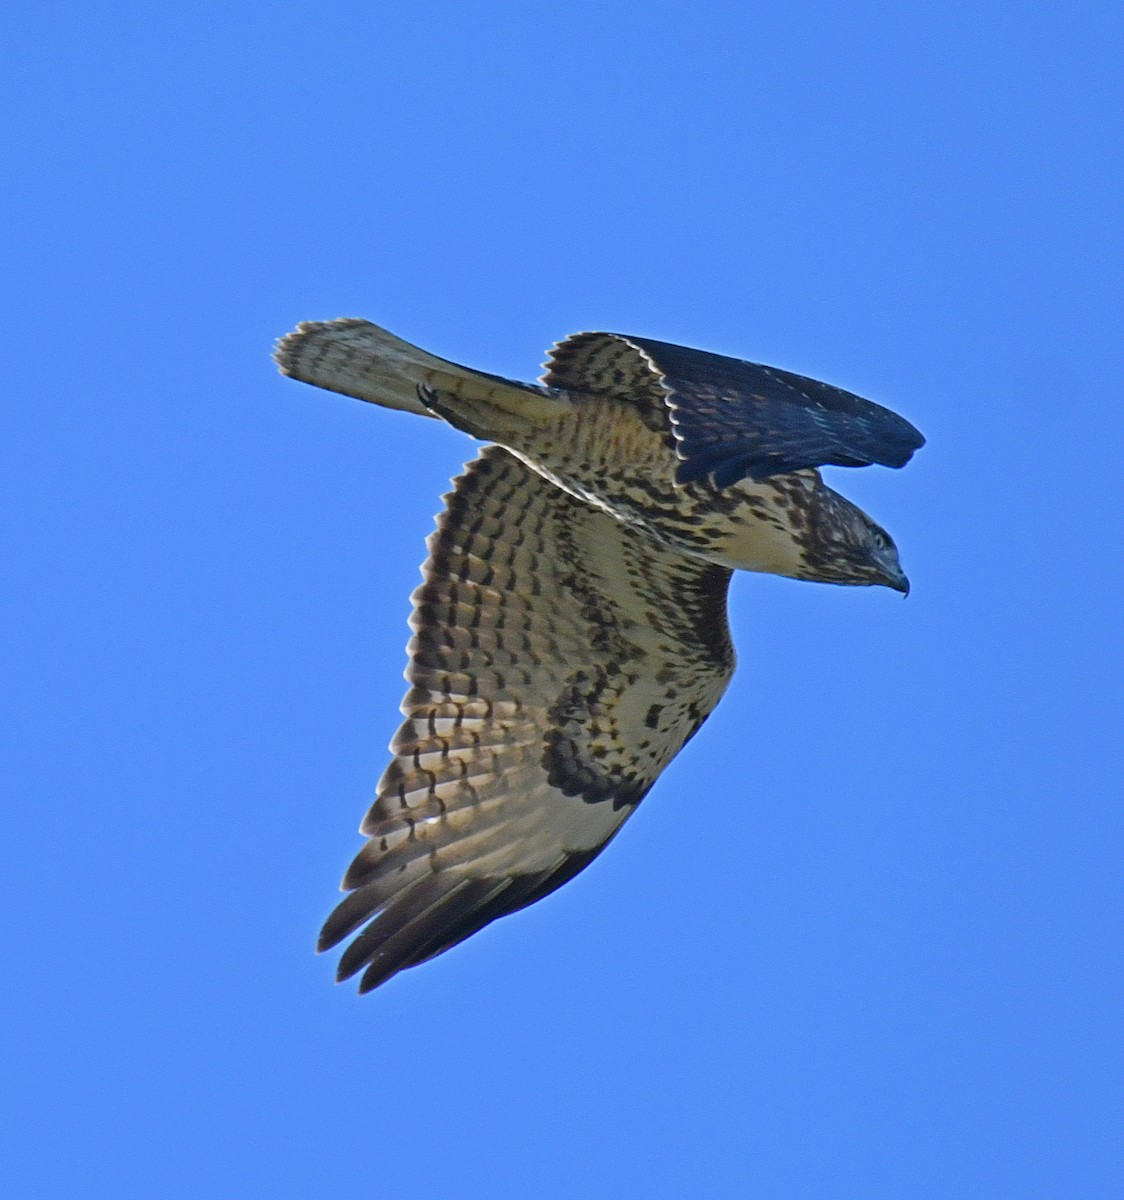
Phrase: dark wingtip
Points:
(352, 911)
(354, 958)
(908, 439)
(376, 975)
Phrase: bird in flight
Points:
(570, 632)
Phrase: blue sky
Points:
(863, 939)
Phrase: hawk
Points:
(570, 632)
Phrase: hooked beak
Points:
(898, 582)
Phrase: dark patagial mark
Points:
(575, 747)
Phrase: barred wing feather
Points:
(560, 660)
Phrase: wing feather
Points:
(560, 660)
(734, 419)
(729, 418)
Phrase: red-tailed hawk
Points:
(570, 631)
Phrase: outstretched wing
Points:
(730, 418)
(733, 418)
(559, 662)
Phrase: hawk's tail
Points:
(360, 359)
(356, 358)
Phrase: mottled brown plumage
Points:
(570, 632)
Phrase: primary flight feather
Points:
(570, 631)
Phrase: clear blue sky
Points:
(863, 941)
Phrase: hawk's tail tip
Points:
(295, 347)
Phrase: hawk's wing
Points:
(732, 418)
(559, 662)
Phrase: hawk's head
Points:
(795, 525)
(840, 544)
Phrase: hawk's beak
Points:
(899, 583)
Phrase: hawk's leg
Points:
(459, 415)
(494, 413)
